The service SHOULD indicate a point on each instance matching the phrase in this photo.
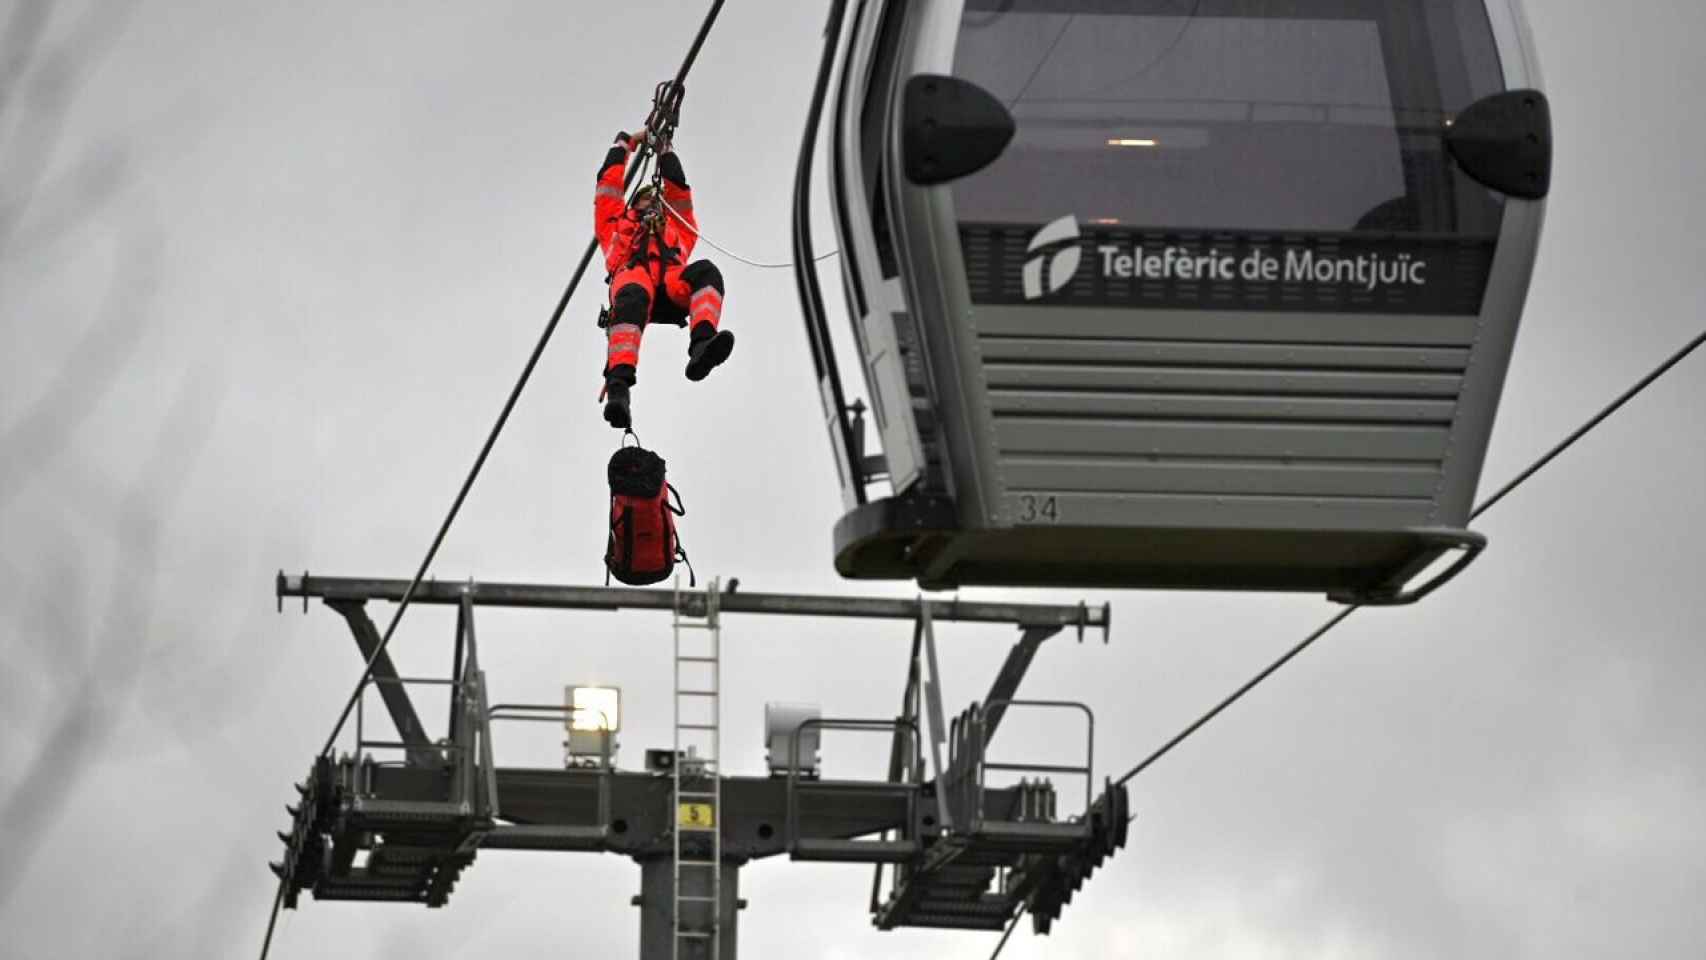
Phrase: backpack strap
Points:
(610, 546)
(680, 511)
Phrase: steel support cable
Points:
(486, 448)
(1585, 428)
(272, 919)
(1604, 414)
(1007, 933)
(503, 415)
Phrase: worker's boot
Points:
(616, 385)
(708, 349)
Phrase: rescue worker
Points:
(646, 245)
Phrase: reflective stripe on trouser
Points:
(706, 306)
(623, 346)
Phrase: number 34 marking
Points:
(1038, 509)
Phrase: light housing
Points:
(594, 708)
(782, 721)
(593, 717)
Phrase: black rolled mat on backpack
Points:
(636, 472)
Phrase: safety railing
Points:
(968, 762)
(362, 744)
(464, 753)
(468, 752)
(908, 792)
(554, 714)
(415, 754)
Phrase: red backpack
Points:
(643, 547)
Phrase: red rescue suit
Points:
(650, 280)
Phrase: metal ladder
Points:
(698, 802)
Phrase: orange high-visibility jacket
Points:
(619, 229)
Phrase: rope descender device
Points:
(666, 109)
(660, 129)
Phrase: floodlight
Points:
(594, 716)
(595, 708)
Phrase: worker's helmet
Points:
(647, 193)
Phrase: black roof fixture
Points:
(1210, 294)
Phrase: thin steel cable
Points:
(467, 486)
(1604, 414)
(503, 416)
(1597, 419)
(1249, 685)
(485, 452)
(1178, 38)
(272, 919)
(1008, 933)
(444, 530)
(725, 251)
(1033, 79)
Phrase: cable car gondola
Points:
(1175, 293)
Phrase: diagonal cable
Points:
(1528, 473)
(468, 482)
(1007, 933)
(485, 452)
(1597, 419)
(503, 416)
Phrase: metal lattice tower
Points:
(696, 881)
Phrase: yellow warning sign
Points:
(695, 816)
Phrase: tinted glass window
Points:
(1231, 115)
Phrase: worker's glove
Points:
(670, 166)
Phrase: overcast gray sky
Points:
(280, 265)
